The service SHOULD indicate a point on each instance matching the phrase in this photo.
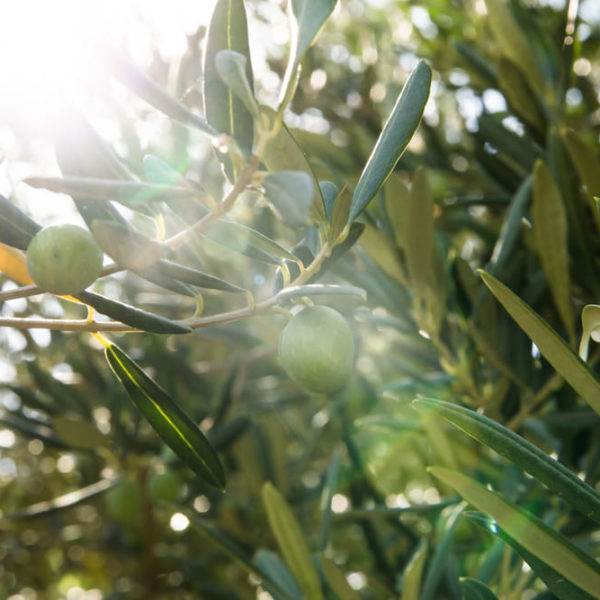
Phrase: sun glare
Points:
(47, 48)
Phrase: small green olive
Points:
(64, 259)
(124, 503)
(316, 349)
(164, 486)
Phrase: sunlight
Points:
(47, 49)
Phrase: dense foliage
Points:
(156, 448)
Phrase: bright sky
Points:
(45, 44)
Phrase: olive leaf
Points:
(395, 136)
(228, 30)
(171, 423)
(291, 193)
(536, 537)
(232, 69)
(16, 228)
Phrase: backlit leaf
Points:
(517, 449)
(553, 348)
(175, 428)
(551, 236)
(291, 542)
(397, 133)
(547, 545)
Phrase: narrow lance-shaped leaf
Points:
(337, 581)
(16, 228)
(473, 589)
(329, 487)
(550, 547)
(291, 542)
(228, 30)
(397, 133)
(291, 193)
(309, 17)
(514, 85)
(320, 289)
(126, 246)
(513, 41)
(231, 548)
(442, 550)
(524, 454)
(551, 236)
(339, 213)
(562, 588)
(275, 568)
(231, 66)
(282, 153)
(411, 581)
(238, 238)
(418, 235)
(176, 429)
(154, 95)
(260, 241)
(130, 193)
(197, 278)
(553, 348)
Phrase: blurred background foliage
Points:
(352, 466)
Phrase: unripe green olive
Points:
(124, 503)
(164, 486)
(64, 259)
(316, 349)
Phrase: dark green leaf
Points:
(537, 538)
(130, 315)
(16, 228)
(562, 588)
(197, 278)
(228, 30)
(231, 548)
(554, 349)
(397, 133)
(544, 469)
(440, 555)
(176, 429)
(473, 589)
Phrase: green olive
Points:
(124, 503)
(316, 349)
(164, 486)
(64, 259)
